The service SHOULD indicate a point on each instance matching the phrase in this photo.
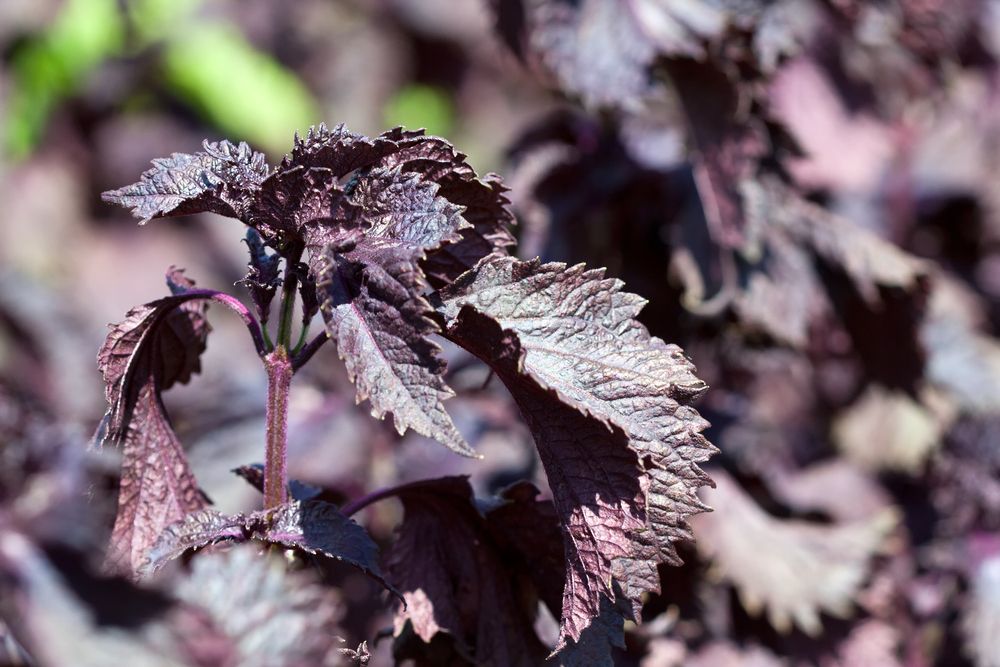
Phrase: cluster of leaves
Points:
(801, 190)
(402, 240)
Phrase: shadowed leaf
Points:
(315, 527)
(467, 575)
(375, 313)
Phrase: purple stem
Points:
(306, 353)
(359, 504)
(279, 381)
(236, 306)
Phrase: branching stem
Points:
(305, 354)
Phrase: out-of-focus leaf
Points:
(273, 617)
(725, 654)
(887, 430)
(603, 51)
(835, 487)
(59, 626)
(238, 608)
(966, 476)
(727, 142)
(843, 153)
(982, 617)
(421, 106)
(798, 569)
(243, 91)
(871, 643)
(609, 408)
(961, 358)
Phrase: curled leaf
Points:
(156, 345)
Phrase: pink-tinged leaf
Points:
(156, 345)
(223, 179)
(313, 526)
(843, 152)
(609, 407)
(801, 568)
(872, 642)
(372, 302)
(466, 575)
(603, 50)
(727, 142)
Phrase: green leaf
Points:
(243, 91)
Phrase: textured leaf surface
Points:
(375, 313)
(312, 526)
(222, 179)
(804, 569)
(608, 405)
(156, 345)
(464, 574)
(321, 191)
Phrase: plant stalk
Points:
(288, 288)
(279, 381)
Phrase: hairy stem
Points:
(279, 380)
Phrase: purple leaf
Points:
(156, 345)
(473, 572)
(263, 275)
(608, 405)
(223, 179)
(376, 314)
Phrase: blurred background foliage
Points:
(872, 424)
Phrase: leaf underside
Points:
(313, 526)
